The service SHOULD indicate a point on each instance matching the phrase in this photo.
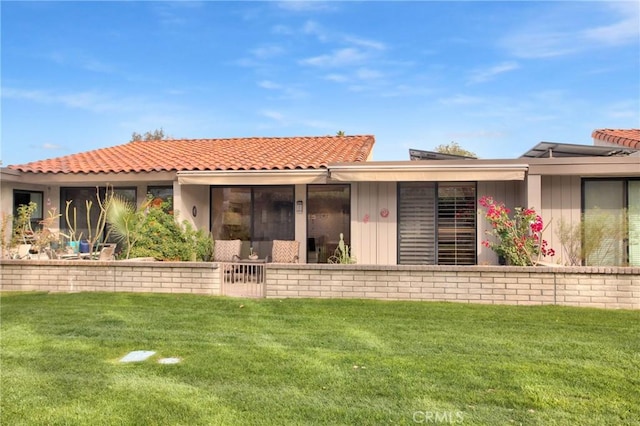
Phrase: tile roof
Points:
(286, 153)
(624, 137)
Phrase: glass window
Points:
(417, 223)
(256, 215)
(634, 222)
(162, 192)
(328, 215)
(77, 213)
(611, 221)
(457, 223)
(437, 223)
(21, 197)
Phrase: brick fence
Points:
(119, 276)
(590, 287)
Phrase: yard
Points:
(298, 361)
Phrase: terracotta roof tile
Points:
(625, 137)
(312, 152)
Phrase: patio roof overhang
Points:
(253, 177)
(430, 172)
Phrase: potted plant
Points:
(252, 254)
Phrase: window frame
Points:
(435, 239)
(625, 205)
(35, 220)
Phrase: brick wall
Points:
(592, 287)
(127, 276)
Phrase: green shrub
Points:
(153, 231)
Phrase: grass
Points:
(309, 362)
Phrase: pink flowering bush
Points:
(517, 238)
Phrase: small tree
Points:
(155, 135)
(153, 231)
(455, 149)
(595, 240)
(22, 230)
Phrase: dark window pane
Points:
(328, 215)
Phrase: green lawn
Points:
(306, 362)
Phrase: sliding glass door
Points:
(256, 215)
(328, 216)
(611, 214)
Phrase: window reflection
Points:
(328, 215)
(255, 215)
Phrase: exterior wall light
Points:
(299, 206)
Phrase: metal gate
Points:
(243, 278)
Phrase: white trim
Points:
(403, 173)
(252, 177)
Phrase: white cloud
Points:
(172, 13)
(266, 84)
(370, 44)
(266, 52)
(621, 32)
(282, 29)
(338, 58)
(629, 109)
(368, 74)
(285, 91)
(461, 100)
(541, 44)
(483, 75)
(85, 100)
(315, 29)
(81, 60)
(338, 78)
(50, 146)
(563, 30)
(478, 134)
(306, 6)
(274, 115)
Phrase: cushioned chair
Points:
(108, 252)
(226, 250)
(23, 252)
(285, 251)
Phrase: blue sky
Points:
(496, 77)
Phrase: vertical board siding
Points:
(373, 237)
(561, 200)
(387, 230)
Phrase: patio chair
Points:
(285, 251)
(23, 252)
(108, 252)
(226, 250)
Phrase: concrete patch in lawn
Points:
(137, 356)
(169, 360)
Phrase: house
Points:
(312, 189)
